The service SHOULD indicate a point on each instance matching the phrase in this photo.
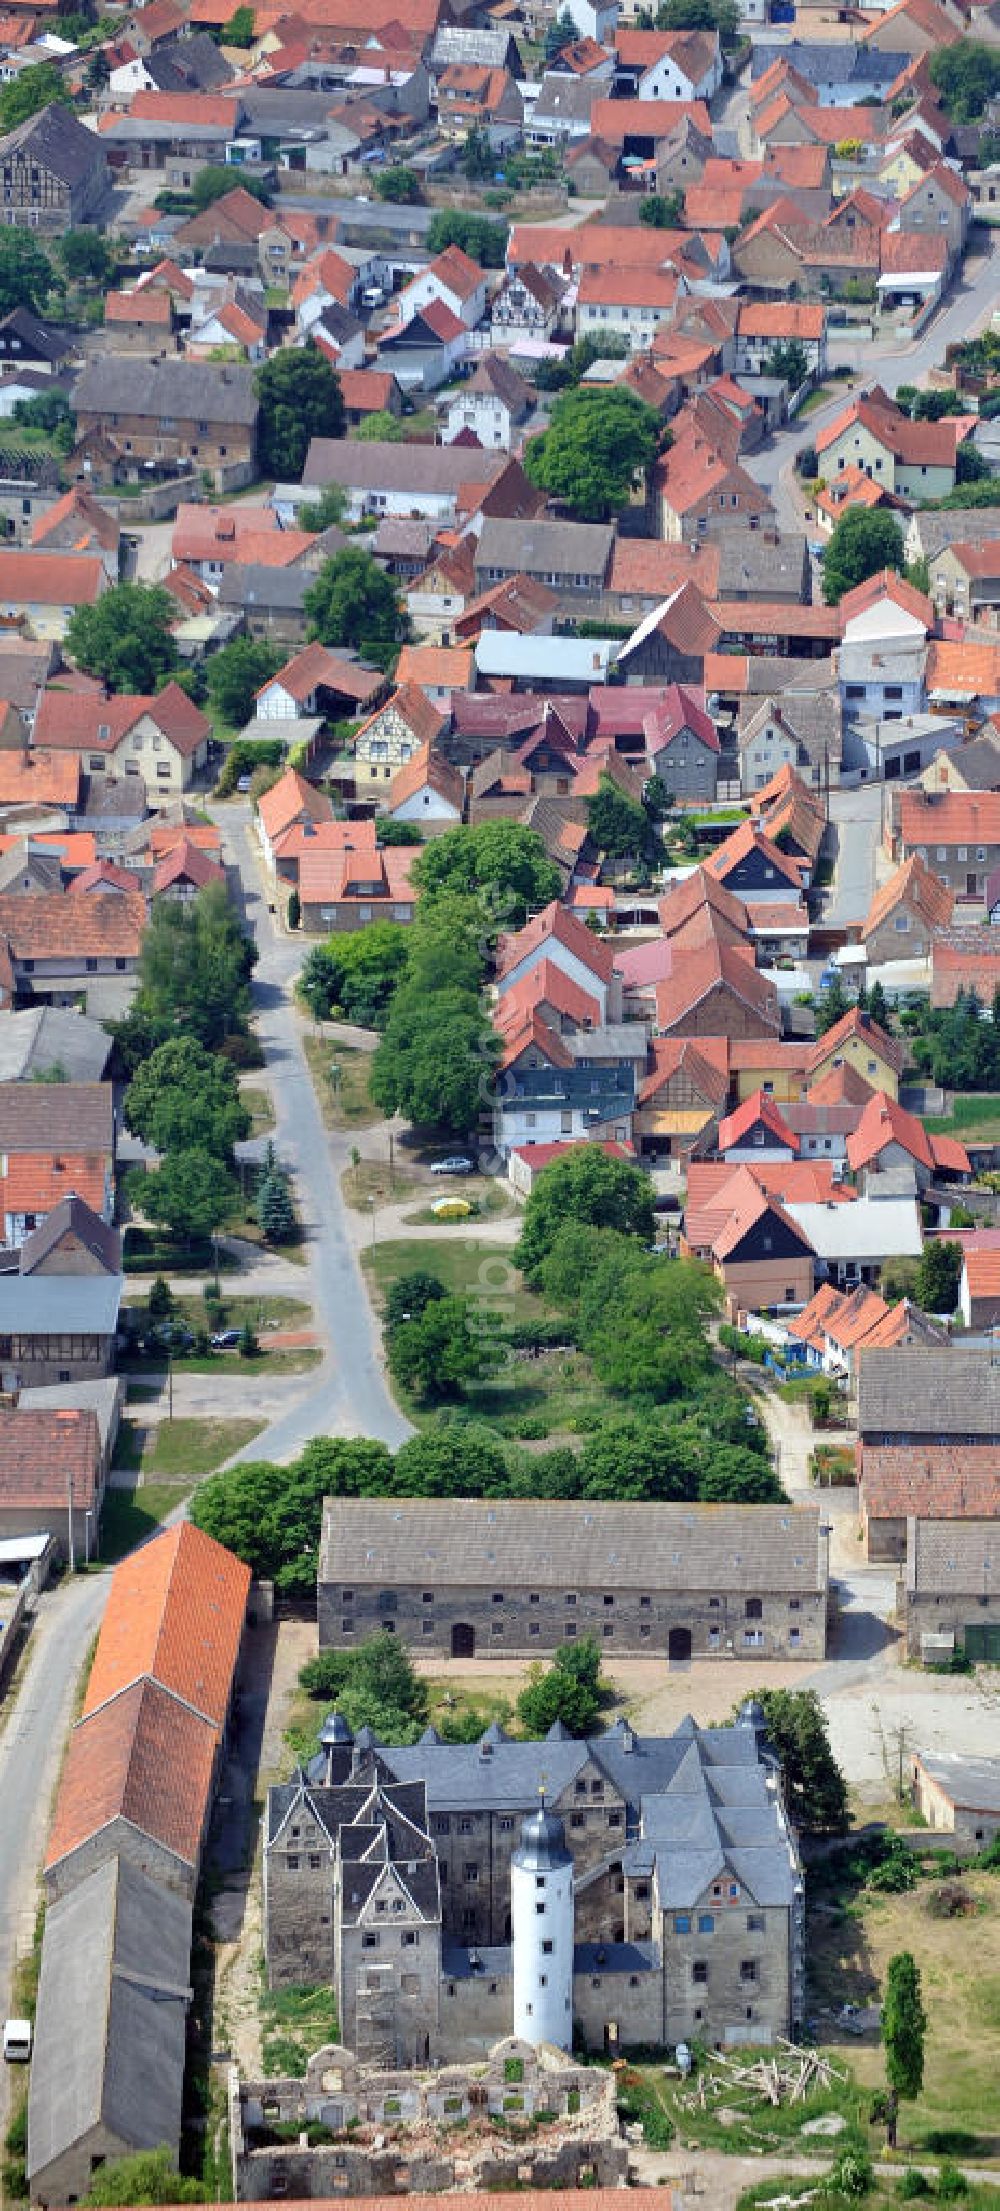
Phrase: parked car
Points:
(169, 1335)
(226, 1339)
(455, 1164)
(17, 2041)
(243, 782)
(666, 1201)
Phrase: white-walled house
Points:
(458, 282)
(427, 789)
(494, 404)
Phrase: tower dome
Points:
(543, 1841)
(541, 1917)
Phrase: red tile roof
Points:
(756, 1111)
(856, 1023)
(916, 888)
(930, 1481)
(175, 1613)
(712, 968)
(289, 800)
(74, 723)
(144, 1758)
(555, 925)
(50, 579)
(43, 1453)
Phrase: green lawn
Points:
(976, 1115)
(816, 398)
(464, 1264)
(168, 1460)
(343, 1103)
(129, 1516)
(182, 1449)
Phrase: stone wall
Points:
(391, 2133)
(523, 1623)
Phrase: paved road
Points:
(348, 1394)
(31, 1749)
(967, 309)
(856, 817)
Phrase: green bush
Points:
(951, 2182)
(910, 2184)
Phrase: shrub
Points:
(910, 2184)
(160, 1300)
(852, 2173)
(951, 2182)
(248, 1346)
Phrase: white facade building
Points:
(541, 1918)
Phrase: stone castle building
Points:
(387, 1872)
(461, 1580)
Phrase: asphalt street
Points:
(968, 307)
(348, 1394)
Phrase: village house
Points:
(947, 1592)
(64, 949)
(317, 681)
(915, 460)
(289, 802)
(905, 914)
(956, 834)
(44, 589)
(55, 172)
(163, 739)
(358, 883)
(493, 404)
(52, 1475)
(162, 412)
(391, 737)
(55, 1140)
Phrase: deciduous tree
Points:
(500, 861)
(235, 675)
(354, 602)
(569, 1691)
(300, 399)
(192, 1194)
(126, 637)
(815, 1789)
(184, 1096)
(26, 273)
(585, 1185)
(864, 541)
(596, 450)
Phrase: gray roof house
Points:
(501, 1578)
(561, 113)
(56, 172)
(108, 2068)
(385, 478)
(44, 1037)
(948, 1593)
(571, 557)
(911, 1395)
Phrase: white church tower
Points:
(541, 1918)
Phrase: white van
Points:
(16, 2041)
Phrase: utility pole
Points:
(69, 1523)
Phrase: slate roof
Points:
(527, 1545)
(952, 1557)
(56, 140)
(110, 2023)
(187, 390)
(56, 1117)
(370, 465)
(72, 1215)
(52, 1036)
(699, 1798)
(59, 1304)
(953, 1393)
(547, 546)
